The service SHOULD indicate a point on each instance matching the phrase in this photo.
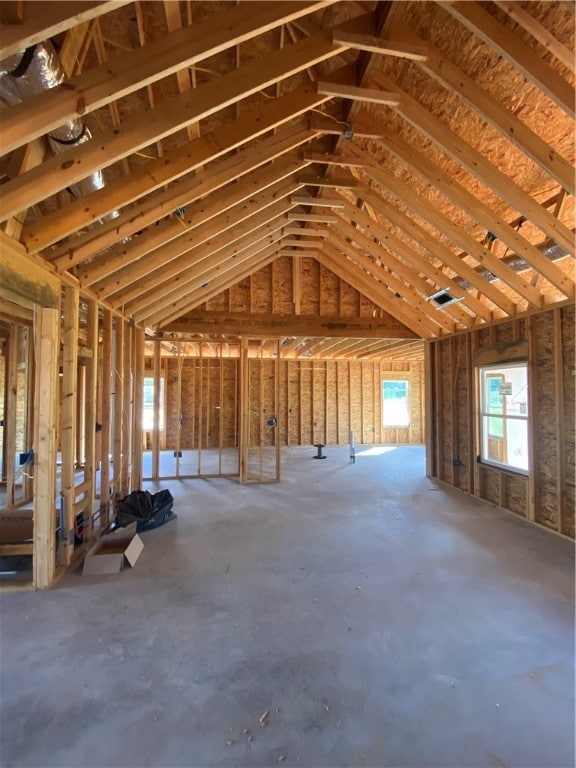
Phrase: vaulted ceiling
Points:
(405, 148)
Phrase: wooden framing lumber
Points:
(45, 20)
(145, 180)
(356, 93)
(68, 415)
(510, 47)
(171, 115)
(24, 277)
(470, 246)
(381, 46)
(474, 162)
(142, 66)
(44, 537)
(483, 215)
(221, 283)
(272, 325)
(528, 142)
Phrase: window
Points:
(396, 405)
(148, 410)
(504, 415)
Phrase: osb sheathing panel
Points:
(462, 424)
(447, 376)
(506, 85)
(546, 465)
(270, 291)
(505, 488)
(568, 324)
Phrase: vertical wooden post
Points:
(91, 384)
(30, 372)
(312, 404)
(221, 405)
(532, 488)
(325, 403)
(362, 436)
(337, 364)
(46, 380)
(11, 411)
(118, 407)
(454, 410)
(560, 421)
(288, 409)
(200, 404)
(261, 410)
(127, 410)
(429, 378)
(68, 413)
(106, 416)
(470, 411)
(244, 412)
(276, 429)
(297, 283)
(181, 358)
(138, 410)
(156, 420)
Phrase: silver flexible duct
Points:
(32, 71)
(552, 252)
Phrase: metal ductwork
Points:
(32, 71)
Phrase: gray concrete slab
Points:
(380, 620)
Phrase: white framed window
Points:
(148, 406)
(503, 414)
(395, 403)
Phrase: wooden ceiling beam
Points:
(171, 115)
(356, 93)
(518, 133)
(411, 271)
(289, 325)
(538, 32)
(436, 248)
(476, 209)
(154, 175)
(344, 161)
(128, 288)
(168, 55)
(478, 166)
(45, 20)
(511, 48)
(137, 273)
(197, 213)
(139, 261)
(343, 268)
(199, 295)
(203, 266)
(394, 244)
(387, 280)
(384, 47)
(458, 236)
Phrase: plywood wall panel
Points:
(553, 395)
(349, 301)
(330, 293)
(310, 292)
(239, 296)
(568, 325)
(331, 436)
(305, 403)
(282, 279)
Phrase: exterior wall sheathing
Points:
(452, 417)
(320, 401)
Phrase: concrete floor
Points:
(379, 619)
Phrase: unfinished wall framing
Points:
(545, 340)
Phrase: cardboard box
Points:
(111, 551)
